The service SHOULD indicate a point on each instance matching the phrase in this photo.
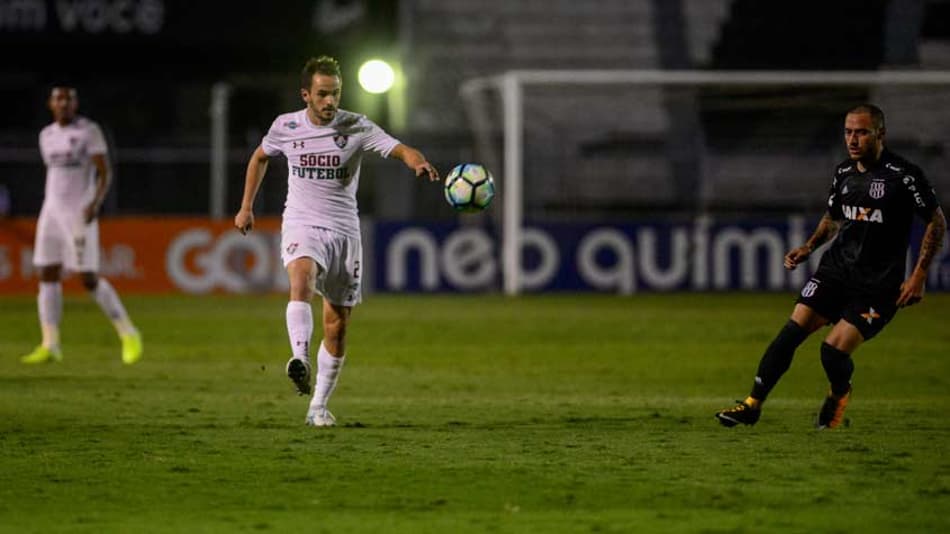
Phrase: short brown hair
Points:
(876, 113)
(64, 86)
(325, 65)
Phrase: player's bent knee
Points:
(302, 274)
(90, 281)
(51, 273)
(302, 293)
(844, 337)
(808, 318)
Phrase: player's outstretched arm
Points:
(256, 168)
(415, 161)
(103, 179)
(912, 290)
(827, 229)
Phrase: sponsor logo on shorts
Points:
(870, 315)
(810, 287)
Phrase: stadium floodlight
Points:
(376, 76)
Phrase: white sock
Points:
(110, 304)
(328, 370)
(49, 302)
(299, 328)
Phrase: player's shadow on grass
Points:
(651, 417)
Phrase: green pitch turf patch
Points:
(469, 414)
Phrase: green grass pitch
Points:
(470, 414)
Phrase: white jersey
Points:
(67, 152)
(323, 166)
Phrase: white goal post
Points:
(511, 84)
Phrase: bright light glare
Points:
(376, 76)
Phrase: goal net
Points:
(616, 145)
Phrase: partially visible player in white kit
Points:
(320, 234)
(67, 232)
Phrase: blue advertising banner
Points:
(649, 255)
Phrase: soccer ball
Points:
(469, 187)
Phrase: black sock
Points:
(839, 367)
(777, 359)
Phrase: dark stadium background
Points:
(145, 71)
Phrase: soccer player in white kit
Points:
(320, 234)
(67, 232)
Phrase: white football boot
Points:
(320, 417)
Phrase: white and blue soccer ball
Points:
(469, 187)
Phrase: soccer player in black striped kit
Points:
(860, 282)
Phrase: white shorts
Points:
(62, 238)
(338, 256)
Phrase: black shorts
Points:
(833, 300)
